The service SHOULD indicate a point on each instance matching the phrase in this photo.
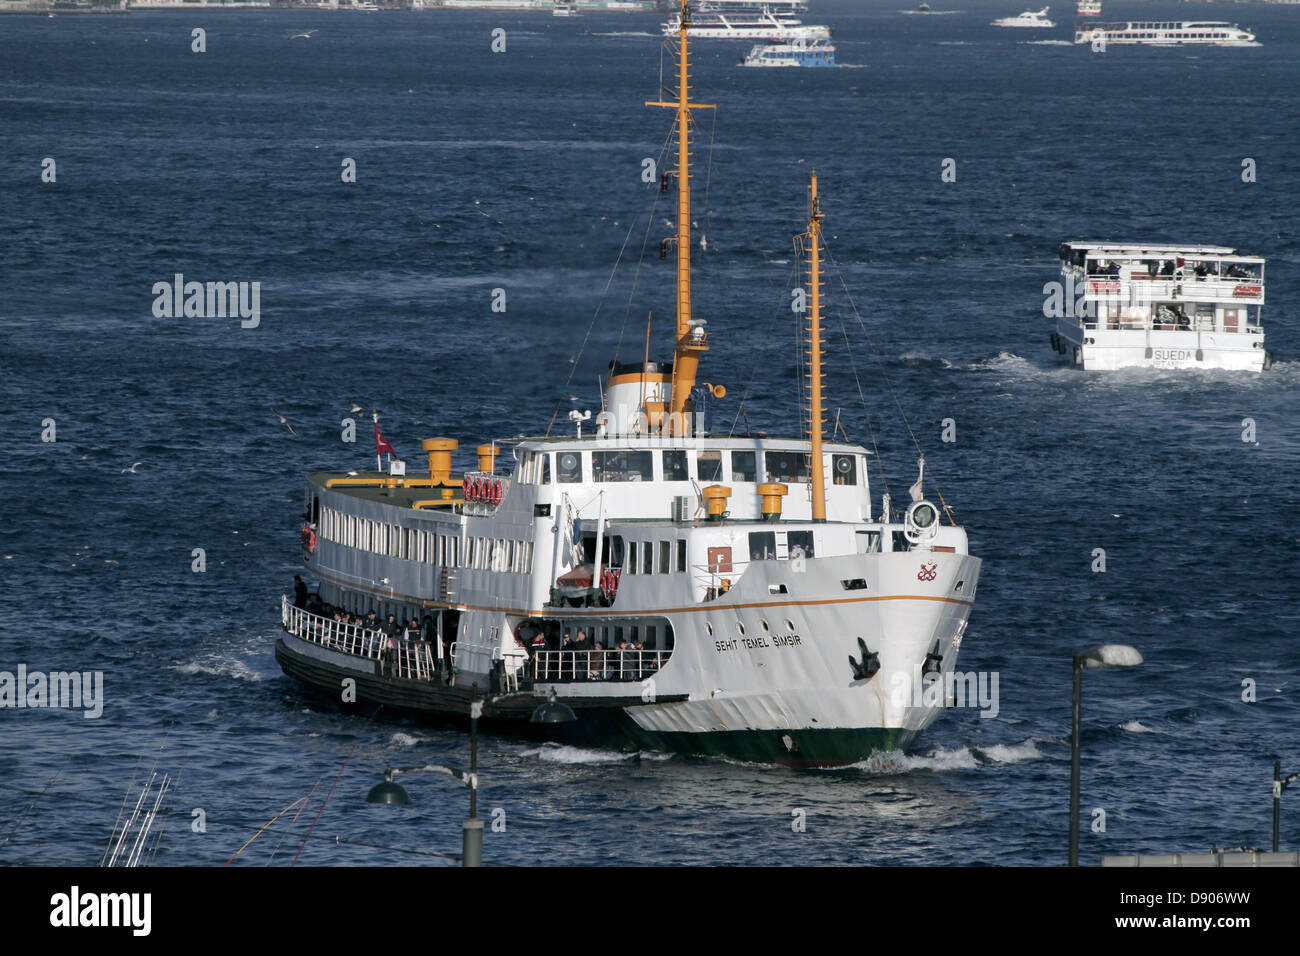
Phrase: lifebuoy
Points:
(496, 492)
(471, 490)
(609, 583)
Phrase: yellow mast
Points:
(690, 342)
(814, 236)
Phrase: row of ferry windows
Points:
(429, 547)
(675, 465)
(647, 557)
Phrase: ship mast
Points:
(814, 238)
(691, 340)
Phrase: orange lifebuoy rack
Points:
(496, 492)
(609, 582)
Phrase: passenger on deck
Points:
(300, 593)
(391, 627)
(429, 632)
(1201, 270)
(1168, 268)
(596, 663)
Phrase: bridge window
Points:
(681, 554)
(647, 557)
(709, 464)
(665, 556)
(743, 466)
(622, 466)
(631, 557)
(568, 467)
(675, 467)
(844, 470)
(784, 466)
(762, 545)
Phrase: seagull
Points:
(132, 469)
(305, 36)
(355, 408)
(284, 421)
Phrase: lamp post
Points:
(472, 829)
(1280, 783)
(1105, 655)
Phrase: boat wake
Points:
(215, 666)
(942, 760)
(1046, 43)
(567, 754)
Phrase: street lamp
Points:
(1280, 783)
(472, 829)
(1105, 655)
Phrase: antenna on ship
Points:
(813, 238)
(691, 339)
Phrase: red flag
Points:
(382, 444)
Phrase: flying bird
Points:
(132, 469)
(305, 36)
(284, 421)
(355, 408)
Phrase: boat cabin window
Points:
(844, 469)
(615, 552)
(675, 467)
(568, 467)
(709, 464)
(800, 539)
(631, 557)
(743, 467)
(647, 557)
(787, 466)
(762, 545)
(681, 554)
(868, 542)
(665, 556)
(622, 466)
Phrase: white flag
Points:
(920, 477)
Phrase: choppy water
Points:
(521, 171)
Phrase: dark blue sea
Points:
(521, 171)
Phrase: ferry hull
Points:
(601, 725)
(1114, 349)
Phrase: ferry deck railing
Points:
(412, 660)
(612, 665)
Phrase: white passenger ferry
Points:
(1029, 18)
(720, 593)
(1167, 33)
(793, 53)
(748, 20)
(1174, 307)
(1088, 8)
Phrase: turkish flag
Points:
(382, 444)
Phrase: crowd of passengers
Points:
(396, 631)
(591, 659)
(1174, 268)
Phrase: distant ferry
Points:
(748, 20)
(1169, 33)
(1088, 8)
(563, 9)
(1175, 307)
(795, 53)
(1027, 19)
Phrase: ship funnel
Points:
(487, 455)
(439, 450)
(635, 398)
